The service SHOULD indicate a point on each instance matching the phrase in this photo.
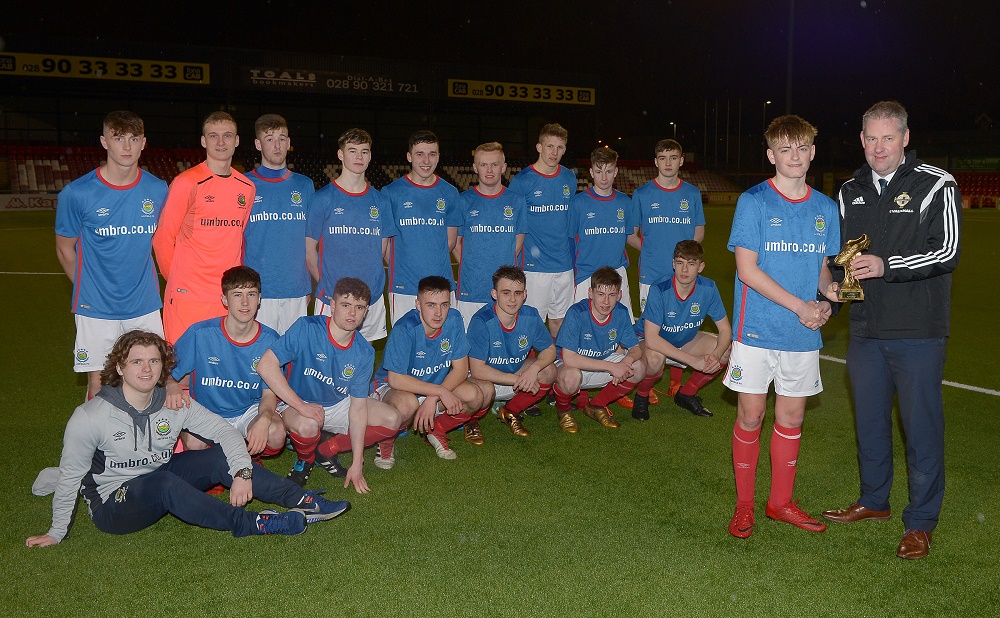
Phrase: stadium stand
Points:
(981, 188)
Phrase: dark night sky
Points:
(664, 58)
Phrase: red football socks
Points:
(341, 442)
(563, 401)
(305, 447)
(746, 450)
(612, 392)
(698, 380)
(647, 383)
(524, 399)
(784, 455)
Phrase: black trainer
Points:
(640, 408)
(691, 403)
(533, 411)
(331, 465)
(300, 472)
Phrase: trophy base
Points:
(845, 295)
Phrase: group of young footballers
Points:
(541, 305)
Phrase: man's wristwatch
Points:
(245, 473)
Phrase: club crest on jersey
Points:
(446, 345)
(120, 494)
(508, 212)
(695, 309)
(373, 212)
(147, 206)
(613, 334)
(82, 356)
(241, 200)
(522, 341)
(296, 198)
(566, 192)
(642, 305)
(902, 199)
(685, 205)
(440, 204)
(736, 373)
(162, 426)
(348, 372)
(820, 223)
(621, 214)
(253, 365)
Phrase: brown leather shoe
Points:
(915, 544)
(854, 513)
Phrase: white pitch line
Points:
(968, 387)
(11, 272)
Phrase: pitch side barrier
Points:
(22, 202)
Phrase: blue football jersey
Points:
(409, 351)
(422, 216)
(583, 334)
(489, 232)
(115, 276)
(665, 217)
(275, 234)
(320, 370)
(600, 226)
(792, 239)
(223, 372)
(681, 319)
(505, 349)
(547, 247)
(349, 228)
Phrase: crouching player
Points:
(674, 312)
(221, 356)
(501, 335)
(424, 373)
(599, 350)
(130, 479)
(329, 371)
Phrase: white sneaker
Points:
(441, 447)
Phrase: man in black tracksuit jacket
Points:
(911, 212)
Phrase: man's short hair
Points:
(605, 277)
(239, 277)
(123, 123)
(884, 110)
(354, 136)
(689, 250)
(352, 286)
(216, 117)
(489, 147)
(553, 130)
(423, 137)
(665, 145)
(433, 283)
(603, 156)
(269, 122)
(120, 351)
(510, 273)
(790, 129)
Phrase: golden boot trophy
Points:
(850, 289)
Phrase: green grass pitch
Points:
(602, 523)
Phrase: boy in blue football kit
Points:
(599, 350)
(221, 356)
(601, 220)
(104, 231)
(492, 230)
(328, 372)
(671, 326)
(424, 373)
(276, 230)
(782, 233)
(425, 212)
(547, 257)
(350, 218)
(501, 336)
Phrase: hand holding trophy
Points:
(850, 289)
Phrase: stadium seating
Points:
(981, 188)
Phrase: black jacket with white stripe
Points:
(914, 226)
